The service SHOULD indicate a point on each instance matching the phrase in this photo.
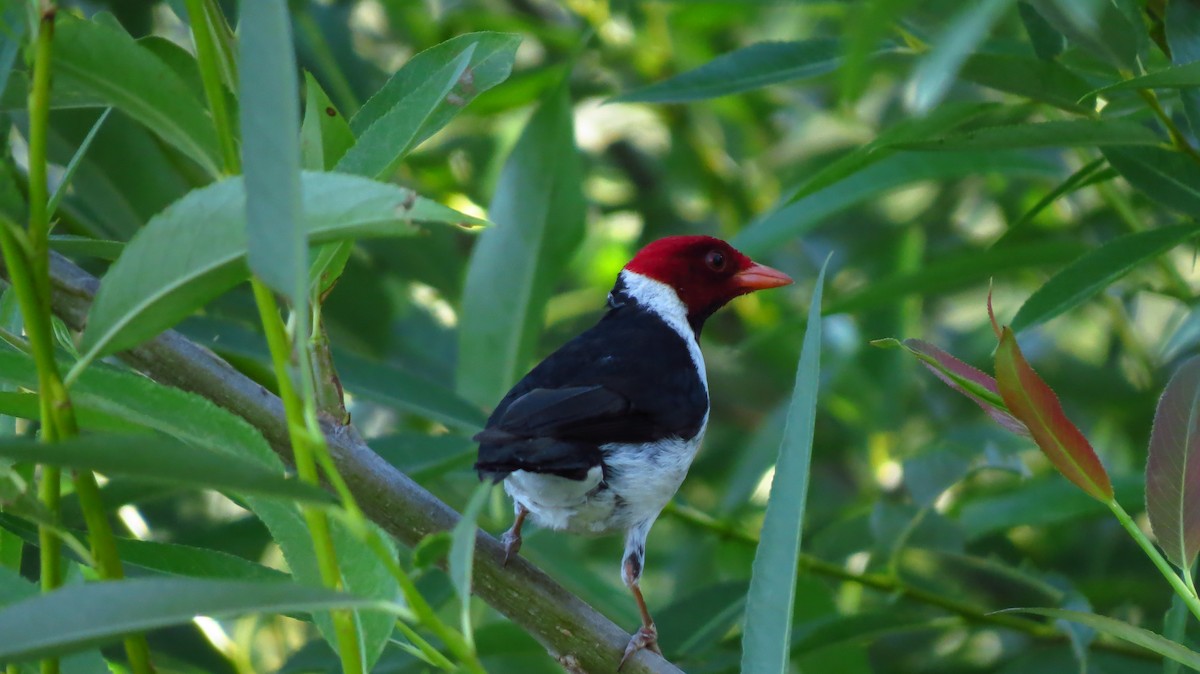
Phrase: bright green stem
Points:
(302, 450)
(28, 259)
(206, 54)
(1188, 594)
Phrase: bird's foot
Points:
(512, 544)
(646, 637)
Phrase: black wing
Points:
(628, 379)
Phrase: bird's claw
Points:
(512, 545)
(646, 637)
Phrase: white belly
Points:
(641, 480)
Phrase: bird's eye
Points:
(715, 260)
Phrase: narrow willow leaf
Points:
(1182, 28)
(132, 399)
(25, 406)
(1183, 76)
(13, 24)
(491, 63)
(270, 123)
(1175, 624)
(1098, 27)
(110, 65)
(1036, 79)
(1031, 401)
(953, 272)
(1168, 177)
(1067, 133)
(462, 555)
(382, 145)
(539, 204)
(1076, 180)
(769, 603)
(14, 588)
(168, 558)
(1173, 468)
(83, 246)
(160, 459)
(1121, 630)
(1047, 42)
(905, 168)
(81, 616)
(196, 249)
(363, 574)
(1096, 270)
(980, 388)
(937, 69)
(325, 134)
(73, 165)
(910, 129)
(751, 67)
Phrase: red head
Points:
(705, 272)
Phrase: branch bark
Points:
(574, 633)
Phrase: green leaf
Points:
(769, 603)
(462, 554)
(1079, 179)
(12, 31)
(1182, 28)
(751, 67)
(277, 250)
(1098, 27)
(1047, 42)
(395, 387)
(1096, 270)
(1173, 468)
(1067, 133)
(936, 70)
(81, 616)
(363, 573)
(160, 459)
(82, 246)
(382, 145)
(1038, 80)
(1121, 630)
(325, 134)
(896, 171)
(73, 165)
(196, 249)
(1183, 76)
(491, 63)
(110, 65)
(539, 204)
(950, 273)
(1031, 401)
(168, 558)
(1166, 176)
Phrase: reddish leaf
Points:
(1030, 400)
(1173, 469)
(968, 381)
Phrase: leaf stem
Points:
(27, 256)
(1188, 594)
(349, 645)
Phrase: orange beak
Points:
(760, 277)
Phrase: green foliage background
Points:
(931, 147)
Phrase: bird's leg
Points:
(631, 572)
(512, 538)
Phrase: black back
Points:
(627, 379)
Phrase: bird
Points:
(598, 437)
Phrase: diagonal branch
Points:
(577, 635)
